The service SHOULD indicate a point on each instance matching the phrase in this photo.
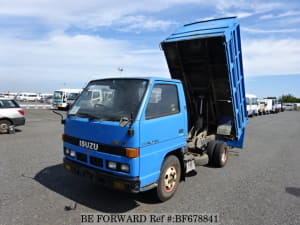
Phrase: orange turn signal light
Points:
(132, 152)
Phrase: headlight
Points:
(112, 165)
(67, 151)
(73, 153)
(124, 168)
(70, 152)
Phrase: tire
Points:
(210, 150)
(169, 178)
(4, 126)
(220, 156)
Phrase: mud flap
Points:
(189, 163)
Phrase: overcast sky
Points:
(51, 44)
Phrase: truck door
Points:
(162, 129)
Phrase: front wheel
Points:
(169, 178)
(4, 126)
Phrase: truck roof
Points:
(69, 90)
(165, 79)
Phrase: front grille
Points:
(96, 161)
(81, 157)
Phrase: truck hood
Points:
(105, 132)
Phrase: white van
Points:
(26, 96)
(252, 105)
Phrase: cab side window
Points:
(163, 102)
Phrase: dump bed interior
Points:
(206, 57)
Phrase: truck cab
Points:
(252, 105)
(141, 121)
(63, 98)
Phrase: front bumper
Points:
(131, 184)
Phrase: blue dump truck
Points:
(137, 134)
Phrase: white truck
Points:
(252, 105)
(278, 107)
(272, 105)
(62, 98)
(268, 105)
(261, 107)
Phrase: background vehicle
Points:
(149, 132)
(26, 96)
(10, 114)
(49, 100)
(60, 97)
(274, 108)
(261, 107)
(44, 97)
(71, 98)
(8, 95)
(268, 105)
(279, 107)
(252, 105)
(289, 106)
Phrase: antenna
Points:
(121, 69)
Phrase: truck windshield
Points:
(72, 96)
(57, 95)
(248, 101)
(254, 101)
(110, 99)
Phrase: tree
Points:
(271, 97)
(289, 98)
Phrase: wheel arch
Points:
(179, 153)
(5, 118)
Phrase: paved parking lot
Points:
(259, 185)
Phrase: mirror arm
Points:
(61, 115)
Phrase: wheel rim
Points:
(3, 127)
(224, 155)
(170, 179)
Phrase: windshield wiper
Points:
(91, 117)
(85, 115)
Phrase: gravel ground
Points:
(259, 185)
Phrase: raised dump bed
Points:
(206, 56)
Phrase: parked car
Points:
(10, 114)
(49, 100)
(45, 97)
(289, 106)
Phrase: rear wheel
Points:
(4, 126)
(220, 155)
(210, 150)
(169, 178)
